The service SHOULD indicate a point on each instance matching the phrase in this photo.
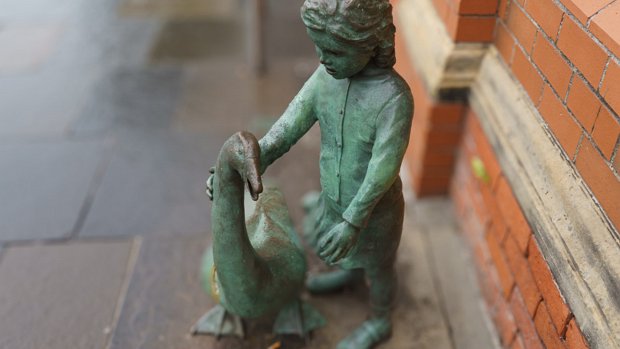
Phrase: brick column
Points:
(440, 80)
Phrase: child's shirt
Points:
(365, 124)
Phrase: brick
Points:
(606, 132)
(584, 9)
(482, 256)
(523, 275)
(425, 186)
(441, 6)
(485, 150)
(504, 43)
(561, 124)
(451, 19)
(488, 199)
(478, 205)
(523, 29)
(448, 115)
(502, 316)
(504, 273)
(605, 26)
(559, 311)
(553, 66)
(500, 228)
(574, 338)
(502, 9)
(527, 76)
(437, 171)
(471, 223)
(547, 14)
(458, 195)
(584, 104)
(477, 7)
(513, 216)
(444, 138)
(587, 56)
(546, 330)
(439, 158)
(475, 29)
(459, 201)
(524, 321)
(518, 343)
(610, 89)
(601, 180)
(489, 285)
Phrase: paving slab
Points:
(130, 98)
(165, 298)
(94, 41)
(44, 185)
(180, 8)
(198, 39)
(154, 185)
(455, 276)
(40, 105)
(223, 96)
(418, 319)
(60, 296)
(24, 47)
(36, 9)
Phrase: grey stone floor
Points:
(111, 114)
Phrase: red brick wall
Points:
(521, 294)
(565, 54)
(468, 20)
(436, 133)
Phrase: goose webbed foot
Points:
(219, 322)
(298, 318)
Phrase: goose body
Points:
(254, 266)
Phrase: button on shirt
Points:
(365, 123)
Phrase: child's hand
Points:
(337, 243)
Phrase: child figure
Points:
(364, 109)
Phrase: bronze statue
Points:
(254, 267)
(364, 109)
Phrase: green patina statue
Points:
(254, 267)
(364, 109)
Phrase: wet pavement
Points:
(112, 113)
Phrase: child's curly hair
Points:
(365, 23)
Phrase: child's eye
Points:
(333, 53)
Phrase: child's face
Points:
(341, 60)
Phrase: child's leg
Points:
(383, 286)
(333, 280)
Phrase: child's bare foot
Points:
(370, 333)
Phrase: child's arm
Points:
(391, 140)
(291, 126)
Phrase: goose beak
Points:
(255, 182)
